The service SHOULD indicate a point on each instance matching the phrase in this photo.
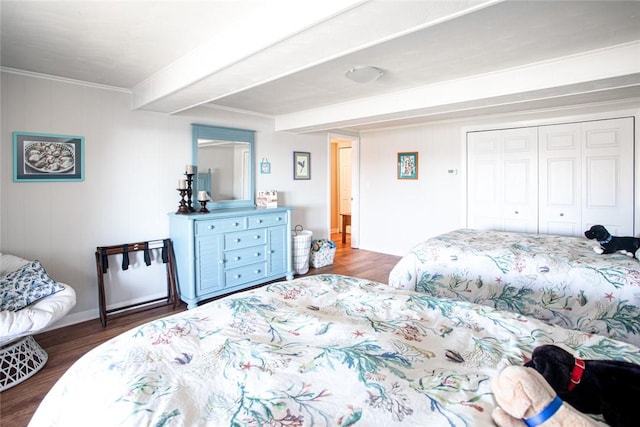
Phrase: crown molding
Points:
(63, 80)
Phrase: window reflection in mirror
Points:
(224, 159)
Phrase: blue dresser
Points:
(228, 250)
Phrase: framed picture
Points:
(301, 165)
(265, 166)
(408, 165)
(43, 157)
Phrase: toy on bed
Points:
(607, 387)
(525, 399)
(610, 244)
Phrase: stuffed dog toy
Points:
(610, 244)
(607, 387)
(526, 399)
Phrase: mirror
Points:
(225, 166)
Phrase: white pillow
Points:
(25, 286)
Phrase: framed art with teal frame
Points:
(41, 157)
(408, 165)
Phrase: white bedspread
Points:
(321, 350)
(558, 279)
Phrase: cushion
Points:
(25, 286)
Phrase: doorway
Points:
(343, 209)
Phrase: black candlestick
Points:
(182, 209)
(189, 192)
(203, 209)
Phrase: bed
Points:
(557, 279)
(322, 350)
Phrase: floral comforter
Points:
(558, 279)
(321, 350)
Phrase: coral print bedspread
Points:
(558, 279)
(321, 350)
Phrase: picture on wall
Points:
(408, 165)
(43, 157)
(301, 165)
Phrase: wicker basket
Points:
(322, 257)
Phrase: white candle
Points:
(202, 195)
(182, 184)
(189, 169)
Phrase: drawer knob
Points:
(257, 254)
(561, 214)
(211, 227)
(235, 224)
(279, 218)
(257, 271)
(238, 276)
(259, 221)
(257, 236)
(237, 258)
(237, 240)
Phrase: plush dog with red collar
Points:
(610, 244)
(607, 387)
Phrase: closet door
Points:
(608, 158)
(503, 175)
(560, 194)
(586, 177)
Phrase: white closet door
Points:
(520, 180)
(608, 155)
(560, 180)
(484, 172)
(502, 180)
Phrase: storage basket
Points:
(322, 253)
(301, 249)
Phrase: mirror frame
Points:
(225, 134)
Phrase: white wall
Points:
(133, 160)
(398, 214)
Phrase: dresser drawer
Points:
(245, 239)
(246, 274)
(217, 226)
(267, 220)
(245, 256)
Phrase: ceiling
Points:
(286, 59)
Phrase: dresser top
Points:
(217, 213)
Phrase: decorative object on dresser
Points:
(228, 250)
(267, 199)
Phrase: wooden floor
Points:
(68, 344)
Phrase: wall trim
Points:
(63, 80)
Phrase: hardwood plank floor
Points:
(68, 344)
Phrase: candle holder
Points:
(189, 192)
(182, 209)
(203, 209)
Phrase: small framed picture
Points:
(44, 157)
(408, 165)
(301, 165)
(265, 166)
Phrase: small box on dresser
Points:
(228, 250)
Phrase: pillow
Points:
(25, 286)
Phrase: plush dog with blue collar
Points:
(602, 387)
(610, 244)
(525, 399)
